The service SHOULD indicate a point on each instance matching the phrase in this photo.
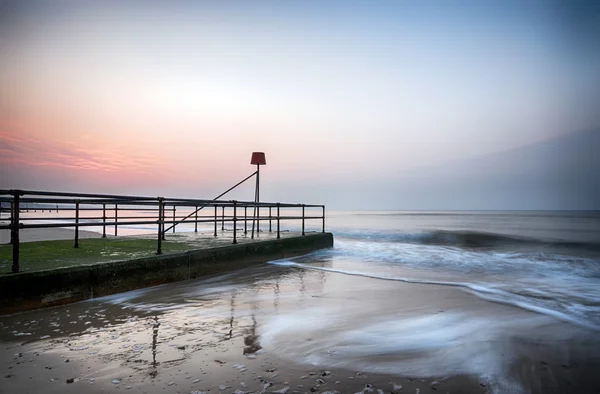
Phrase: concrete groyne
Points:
(33, 290)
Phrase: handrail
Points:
(216, 198)
(144, 210)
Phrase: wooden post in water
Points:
(245, 219)
(323, 218)
(116, 218)
(196, 224)
(174, 209)
(270, 219)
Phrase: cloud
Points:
(32, 151)
(27, 157)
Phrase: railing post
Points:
(270, 230)
(174, 209)
(245, 219)
(12, 218)
(323, 218)
(163, 232)
(15, 231)
(302, 219)
(76, 224)
(278, 234)
(116, 218)
(216, 220)
(234, 221)
(196, 224)
(161, 224)
(223, 218)
(104, 220)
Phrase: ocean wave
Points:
(463, 239)
(578, 214)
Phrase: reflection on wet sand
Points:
(231, 318)
(155, 326)
(251, 343)
(223, 330)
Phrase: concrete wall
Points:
(32, 290)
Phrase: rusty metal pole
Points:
(302, 219)
(278, 234)
(76, 224)
(255, 204)
(164, 220)
(223, 218)
(163, 232)
(15, 232)
(234, 221)
(257, 199)
(174, 209)
(160, 223)
(216, 208)
(12, 218)
(103, 220)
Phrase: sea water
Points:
(544, 261)
(401, 293)
(544, 264)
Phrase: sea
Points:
(538, 273)
(511, 298)
(543, 261)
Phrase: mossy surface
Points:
(43, 255)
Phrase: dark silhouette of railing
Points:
(85, 209)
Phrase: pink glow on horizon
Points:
(127, 163)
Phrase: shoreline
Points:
(57, 286)
(266, 324)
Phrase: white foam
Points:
(483, 291)
(420, 346)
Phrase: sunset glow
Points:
(153, 98)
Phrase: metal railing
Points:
(102, 210)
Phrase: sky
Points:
(349, 100)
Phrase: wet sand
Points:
(273, 329)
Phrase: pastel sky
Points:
(171, 97)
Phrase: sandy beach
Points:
(271, 329)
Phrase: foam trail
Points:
(457, 343)
(486, 293)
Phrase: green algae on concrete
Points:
(44, 255)
(44, 288)
(47, 255)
